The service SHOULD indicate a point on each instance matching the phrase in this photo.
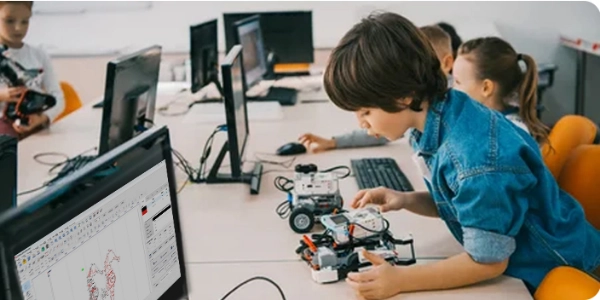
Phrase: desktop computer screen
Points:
(204, 55)
(249, 35)
(8, 172)
(129, 96)
(235, 108)
(111, 231)
(288, 34)
(236, 114)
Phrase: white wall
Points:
(532, 27)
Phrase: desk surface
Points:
(213, 281)
(229, 234)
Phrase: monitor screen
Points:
(8, 173)
(289, 34)
(235, 106)
(204, 55)
(130, 96)
(255, 60)
(110, 231)
(121, 248)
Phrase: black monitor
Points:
(129, 96)
(204, 55)
(109, 231)
(236, 113)
(8, 172)
(249, 36)
(288, 34)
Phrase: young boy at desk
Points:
(14, 24)
(441, 43)
(485, 176)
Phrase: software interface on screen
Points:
(122, 248)
(253, 52)
(237, 84)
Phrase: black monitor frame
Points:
(80, 191)
(121, 114)
(8, 172)
(204, 55)
(232, 144)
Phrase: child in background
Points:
(485, 177)
(488, 70)
(441, 42)
(14, 23)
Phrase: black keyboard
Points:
(376, 172)
(285, 96)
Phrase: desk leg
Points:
(580, 84)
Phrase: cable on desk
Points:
(32, 190)
(339, 168)
(252, 279)
(37, 159)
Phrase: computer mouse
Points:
(291, 149)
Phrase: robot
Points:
(336, 252)
(14, 74)
(313, 194)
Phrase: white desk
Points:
(213, 281)
(229, 234)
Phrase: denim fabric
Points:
(491, 187)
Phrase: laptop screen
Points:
(123, 247)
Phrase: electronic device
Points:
(238, 131)
(288, 35)
(204, 55)
(291, 149)
(8, 173)
(109, 231)
(311, 194)
(129, 102)
(376, 172)
(337, 251)
(256, 65)
(31, 101)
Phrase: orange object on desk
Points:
(291, 68)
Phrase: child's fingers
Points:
(358, 199)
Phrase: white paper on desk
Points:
(215, 112)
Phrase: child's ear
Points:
(447, 63)
(487, 88)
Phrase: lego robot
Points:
(336, 252)
(31, 101)
(312, 195)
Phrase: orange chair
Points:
(568, 133)
(72, 100)
(580, 178)
(567, 283)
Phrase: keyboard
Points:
(285, 96)
(376, 172)
(73, 165)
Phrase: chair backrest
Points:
(567, 283)
(580, 178)
(568, 133)
(72, 100)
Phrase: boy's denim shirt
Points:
(491, 187)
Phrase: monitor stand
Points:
(253, 178)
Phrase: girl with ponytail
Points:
(489, 70)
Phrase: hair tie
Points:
(519, 57)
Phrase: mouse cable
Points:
(252, 279)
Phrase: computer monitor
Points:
(238, 131)
(288, 34)
(204, 55)
(129, 96)
(110, 231)
(8, 172)
(249, 36)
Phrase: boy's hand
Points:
(380, 282)
(386, 199)
(11, 94)
(315, 143)
(35, 121)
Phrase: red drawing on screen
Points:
(107, 292)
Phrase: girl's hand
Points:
(11, 94)
(380, 282)
(315, 143)
(385, 198)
